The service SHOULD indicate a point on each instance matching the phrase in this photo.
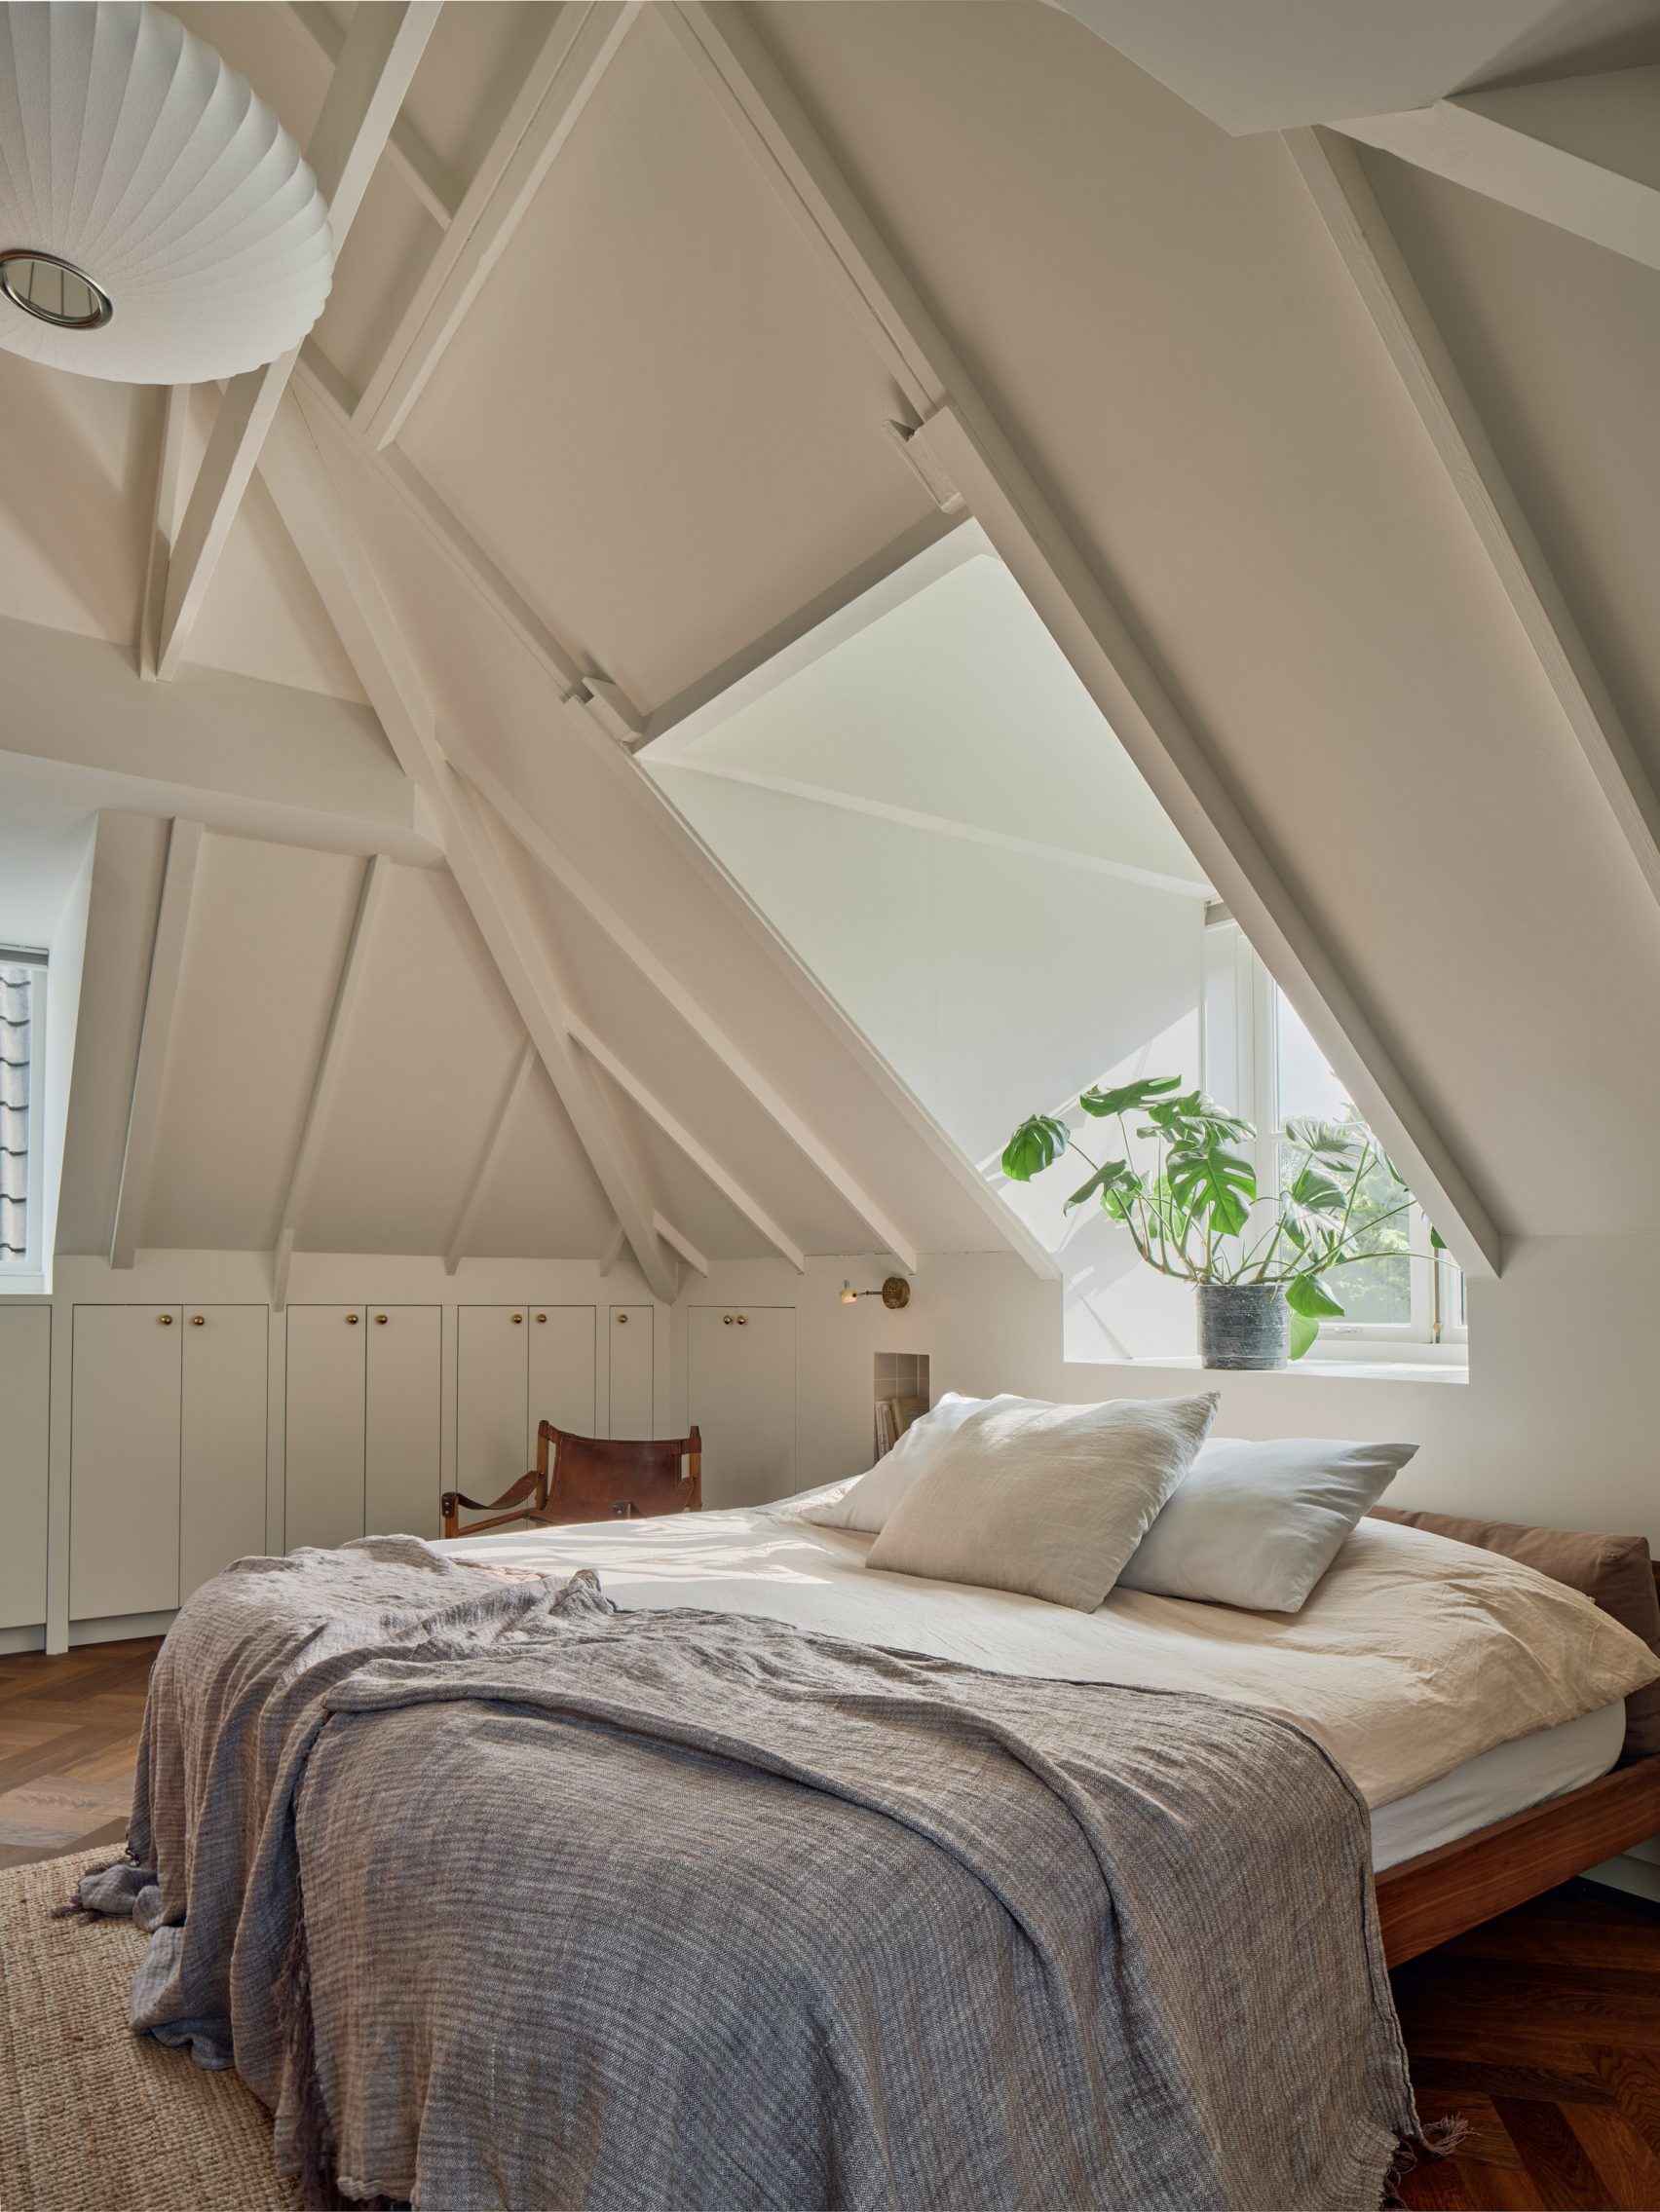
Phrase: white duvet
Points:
(1413, 1654)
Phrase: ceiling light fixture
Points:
(157, 223)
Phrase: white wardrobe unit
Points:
(26, 1419)
(517, 1366)
(633, 1391)
(363, 1400)
(167, 1452)
(740, 1389)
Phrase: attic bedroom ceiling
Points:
(599, 415)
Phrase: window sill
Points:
(21, 1286)
(1342, 1370)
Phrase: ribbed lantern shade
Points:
(157, 223)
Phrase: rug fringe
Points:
(1441, 2139)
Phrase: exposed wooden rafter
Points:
(583, 39)
(406, 149)
(971, 448)
(317, 521)
(681, 1243)
(1576, 152)
(570, 877)
(160, 997)
(166, 511)
(699, 1156)
(518, 1082)
(377, 60)
(1349, 208)
(326, 1083)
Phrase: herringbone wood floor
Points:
(1542, 2028)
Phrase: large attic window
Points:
(23, 993)
(1260, 1063)
(930, 809)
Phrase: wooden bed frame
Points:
(1430, 1900)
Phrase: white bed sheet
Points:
(1454, 1686)
(1506, 1779)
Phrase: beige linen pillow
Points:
(1049, 1500)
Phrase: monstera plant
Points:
(1174, 1173)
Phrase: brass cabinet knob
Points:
(726, 1320)
(542, 1317)
(166, 1319)
(198, 1320)
(380, 1320)
(621, 1320)
(352, 1320)
(517, 1317)
(744, 1321)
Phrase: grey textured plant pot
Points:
(1244, 1325)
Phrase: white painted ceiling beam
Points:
(543, 849)
(406, 149)
(160, 997)
(582, 38)
(977, 452)
(616, 1244)
(681, 1243)
(699, 1156)
(479, 1182)
(1332, 170)
(229, 751)
(1580, 152)
(317, 521)
(166, 510)
(326, 1083)
(377, 60)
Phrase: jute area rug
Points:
(93, 2117)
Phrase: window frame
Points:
(26, 1273)
(1239, 1058)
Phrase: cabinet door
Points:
(766, 1402)
(124, 1438)
(632, 1396)
(562, 1351)
(492, 1394)
(711, 1397)
(324, 1486)
(26, 1405)
(402, 1476)
(221, 1515)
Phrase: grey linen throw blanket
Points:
(550, 1907)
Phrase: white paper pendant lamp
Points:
(157, 223)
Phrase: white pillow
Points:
(1256, 1524)
(1048, 1500)
(874, 1496)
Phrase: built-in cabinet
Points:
(740, 1385)
(25, 1430)
(167, 1452)
(517, 1366)
(363, 1406)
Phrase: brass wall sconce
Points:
(895, 1293)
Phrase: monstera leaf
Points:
(1192, 1122)
(1038, 1143)
(1213, 1184)
(1333, 1142)
(1307, 1295)
(1126, 1098)
(1303, 1330)
(1117, 1184)
(1313, 1191)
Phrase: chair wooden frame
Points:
(534, 1497)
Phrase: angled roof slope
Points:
(596, 419)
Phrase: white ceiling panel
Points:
(268, 931)
(542, 1200)
(658, 417)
